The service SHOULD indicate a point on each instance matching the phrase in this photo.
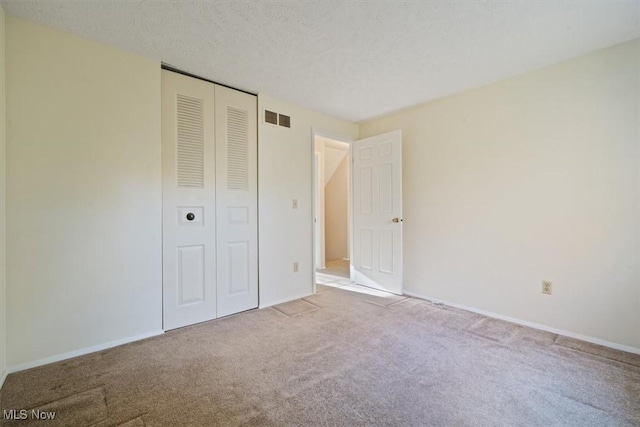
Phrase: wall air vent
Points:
(270, 117)
(284, 121)
(274, 118)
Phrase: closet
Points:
(209, 178)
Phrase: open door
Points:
(377, 212)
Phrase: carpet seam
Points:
(398, 302)
(597, 355)
(307, 301)
(280, 311)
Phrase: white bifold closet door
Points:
(189, 201)
(209, 152)
(236, 200)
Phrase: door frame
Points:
(318, 229)
(314, 175)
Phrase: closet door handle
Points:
(190, 216)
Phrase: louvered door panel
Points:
(190, 141)
(237, 149)
(236, 201)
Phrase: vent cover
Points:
(190, 142)
(285, 121)
(237, 149)
(270, 117)
(274, 118)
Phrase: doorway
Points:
(332, 211)
(363, 178)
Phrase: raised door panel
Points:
(238, 268)
(191, 276)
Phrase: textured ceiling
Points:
(351, 59)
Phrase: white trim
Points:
(80, 352)
(533, 325)
(3, 377)
(314, 219)
(318, 207)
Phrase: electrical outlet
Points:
(295, 267)
(546, 287)
(294, 204)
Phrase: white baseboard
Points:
(80, 352)
(592, 340)
(3, 377)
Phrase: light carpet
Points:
(340, 357)
(338, 267)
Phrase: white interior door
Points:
(189, 192)
(236, 200)
(377, 212)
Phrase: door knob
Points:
(396, 220)
(190, 216)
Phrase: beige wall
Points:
(533, 178)
(335, 205)
(83, 194)
(3, 306)
(285, 159)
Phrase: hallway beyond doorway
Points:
(338, 268)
